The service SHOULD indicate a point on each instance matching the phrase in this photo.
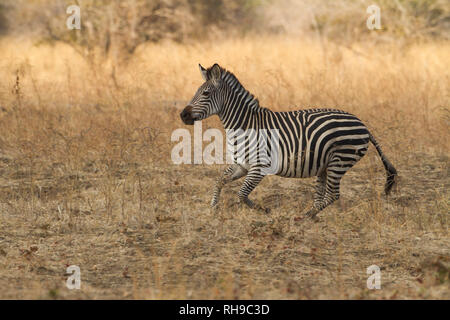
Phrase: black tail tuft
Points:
(390, 170)
(391, 177)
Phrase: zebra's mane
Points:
(235, 84)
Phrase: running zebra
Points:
(318, 142)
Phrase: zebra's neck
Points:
(241, 108)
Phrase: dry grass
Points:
(86, 176)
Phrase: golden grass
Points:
(86, 176)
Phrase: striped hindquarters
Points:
(323, 137)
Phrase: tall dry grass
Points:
(86, 172)
(406, 87)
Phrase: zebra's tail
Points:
(390, 170)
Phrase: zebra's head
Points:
(208, 99)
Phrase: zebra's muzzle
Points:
(186, 116)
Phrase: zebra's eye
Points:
(206, 93)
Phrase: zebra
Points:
(322, 143)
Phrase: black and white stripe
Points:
(315, 142)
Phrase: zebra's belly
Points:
(278, 164)
(340, 156)
(293, 167)
(303, 156)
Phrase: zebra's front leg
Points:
(253, 178)
(230, 174)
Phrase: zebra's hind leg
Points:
(319, 194)
(230, 174)
(331, 184)
(320, 188)
(253, 178)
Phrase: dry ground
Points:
(86, 177)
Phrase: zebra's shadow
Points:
(298, 200)
(288, 201)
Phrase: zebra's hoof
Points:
(262, 209)
(311, 214)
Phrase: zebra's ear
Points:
(215, 72)
(203, 71)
